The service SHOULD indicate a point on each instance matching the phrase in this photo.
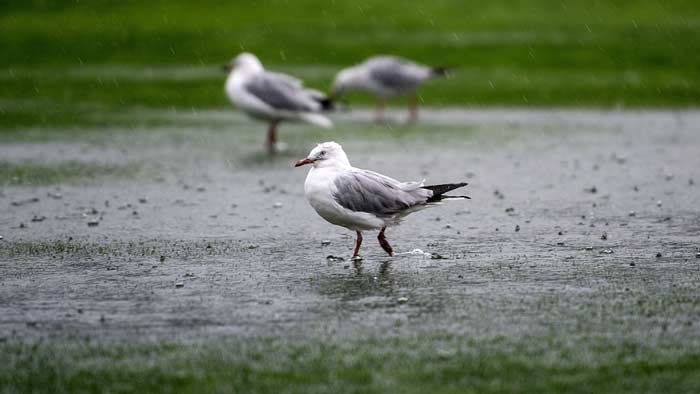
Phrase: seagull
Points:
(273, 97)
(385, 77)
(362, 200)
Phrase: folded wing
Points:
(282, 92)
(367, 191)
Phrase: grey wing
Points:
(281, 93)
(396, 73)
(367, 191)
(292, 81)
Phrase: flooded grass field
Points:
(180, 241)
(149, 244)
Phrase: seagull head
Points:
(327, 154)
(244, 62)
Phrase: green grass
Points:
(30, 173)
(121, 55)
(435, 364)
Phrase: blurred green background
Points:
(61, 55)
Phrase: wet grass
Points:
(435, 364)
(29, 173)
(166, 54)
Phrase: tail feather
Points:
(442, 71)
(327, 103)
(440, 190)
(317, 119)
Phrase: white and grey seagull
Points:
(362, 200)
(273, 97)
(385, 77)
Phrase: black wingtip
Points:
(440, 190)
(442, 71)
(327, 103)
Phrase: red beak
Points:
(303, 162)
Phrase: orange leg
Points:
(384, 243)
(271, 143)
(413, 108)
(357, 244)
(379, 114)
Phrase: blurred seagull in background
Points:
(273, 97)
(385, 77)
(361, 200)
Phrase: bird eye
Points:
(323, 153)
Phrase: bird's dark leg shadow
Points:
(384, 243)
(357, 265)
(358, 243)
(384, 269)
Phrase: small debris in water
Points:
(604, 236)
(589, 248)
(636, 188)
(93, 223)
(201, 189)
(607, 251)
(22, 225)
(592, 190)
(633, 213)
(142, 200)
(620, 159)
(54, 195)
(38, 218)
(658, 203)
(632, 264)
(325, 242)
(334, 259)
(162, 259)
(510, 210)
(179, 284)
(498, 194)
(448, 226)
(669, 176)
(560, 233)
(517, 228)
(691, 182)
(658, 255)
(402, 300)
(697, 255)
(277, 205)
(25, 201)
(560, 243)
(189, 275)
(436, 256)
(1, 238)
(103, 319)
